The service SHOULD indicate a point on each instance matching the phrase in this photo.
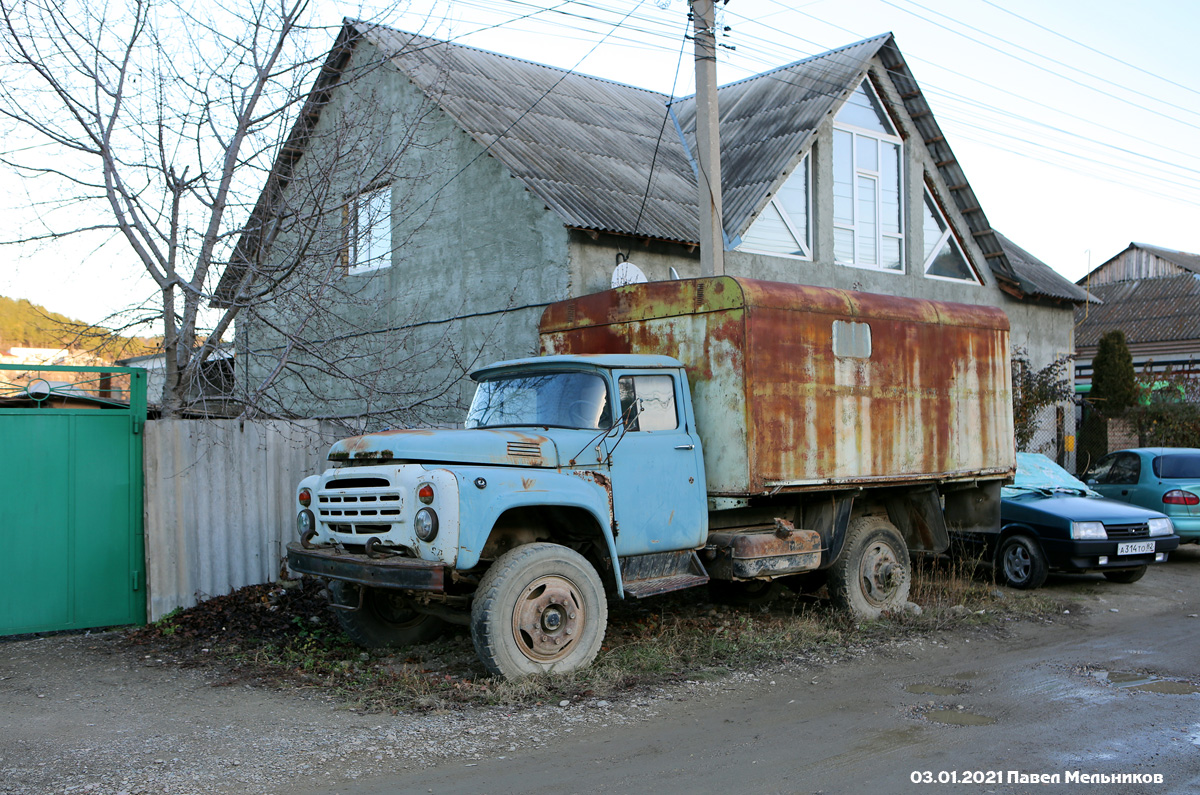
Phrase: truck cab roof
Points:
(627, 361)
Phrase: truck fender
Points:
(586, 490)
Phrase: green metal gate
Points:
(71, 506)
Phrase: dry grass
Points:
(285, 636)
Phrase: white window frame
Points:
(877, 176)
(369, 249)
(947, 237)
(804, 241)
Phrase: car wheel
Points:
(540, 608)
(1021, 563)
(1125, 575)
(871, 574)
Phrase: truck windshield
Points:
(561, 400)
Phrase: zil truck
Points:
(674, 433)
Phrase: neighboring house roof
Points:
(1147, 310)
(1182, 259)
(1189, 262)
(1036, 278)
(588, 147)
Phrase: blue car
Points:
(1049, 521)
(1163, 479)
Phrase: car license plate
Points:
(1136, 548)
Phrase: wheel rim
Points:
(548, 618)
(1017, 563)
(881, 573)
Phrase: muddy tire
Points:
(872, 574)
(748, 593)
(386, 619)
(1125, 576)
(540, 608)
(1021, 563)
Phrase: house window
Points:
(943, 257)
(369, 231)
(783, 226)
(868, 211)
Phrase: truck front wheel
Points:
(539, 608)
(872, 574)
(386, 619)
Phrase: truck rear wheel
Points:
(872, 574)
(386, 619)
(540, 608)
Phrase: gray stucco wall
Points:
(475, 258)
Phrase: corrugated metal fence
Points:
(219, 503)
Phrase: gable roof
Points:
(1147, 310)
(607, 157)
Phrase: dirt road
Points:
(1113, 689)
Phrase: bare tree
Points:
(159, 124)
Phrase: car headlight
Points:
(1161, 527)
(425, 524)
(305, 523)
(1083, 530)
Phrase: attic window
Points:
(943, 257)
(868, 207)
(783, 225)
(368, 227)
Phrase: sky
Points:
(1076, 122)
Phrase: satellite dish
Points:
(627, 273)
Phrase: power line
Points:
(1089, 47)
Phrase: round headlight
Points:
(305, 522)
(425, 524)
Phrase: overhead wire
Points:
(1090, 48)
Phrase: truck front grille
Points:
(364, 506)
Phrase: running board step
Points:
(661, 572)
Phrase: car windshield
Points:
(560, 400)
(1036, 473)
(1178, 466)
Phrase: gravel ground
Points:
(79, 715)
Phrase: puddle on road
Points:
(1170, 688)
(959, 717)
(1127, 680)
(935, 690)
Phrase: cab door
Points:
(660, 503)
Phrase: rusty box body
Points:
(799, 388)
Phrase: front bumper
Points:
(401, 573)
(1081, 555)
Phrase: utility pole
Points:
(708, 140)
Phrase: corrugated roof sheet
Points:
(585, 145)
(1147, 310)
(1036, 278)
(582, 144)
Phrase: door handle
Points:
(685, 447)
